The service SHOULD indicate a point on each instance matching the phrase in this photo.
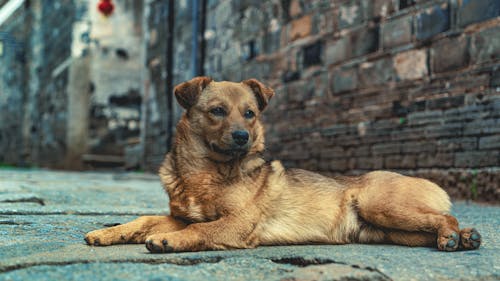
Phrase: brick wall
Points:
(409, 86)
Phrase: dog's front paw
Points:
(101, 237)
(448, 242)
(470, 239)
(159, 243)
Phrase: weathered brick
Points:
(405, 134)
(344, 79)
(489, 142)
(376, 73)
(289, 76)
(425, 117)
(351, 14)
(244, 4)
(432, 21)
(312, 54)
(495, 78)
(386, 148)
(332, 152)
(256, 69)
(445, 130)
(485, 45)
(300, 28)
(337, 164)
(446, 102)
(456, 144)
(360, 150)
(364, 41)
(449, 54)
(422, 147)
(406, 3)
(476, 159)
(337, 129)
(400, 162)
(298, 91)
(411, 65)
(271, 42)
(485, 126)
(295, 8)
(369, 163)
(442, 160)
(396, 32)
(398, 109)
(249, 50)
(337, 51)
(383, 8)
(472, 11)
(469, 113)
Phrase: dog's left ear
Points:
(187, 93)
(262, 93)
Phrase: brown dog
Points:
(223, 195)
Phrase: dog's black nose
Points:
(240, 137)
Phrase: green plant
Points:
(473, 185)
(6, 166)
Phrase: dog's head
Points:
(225, 115)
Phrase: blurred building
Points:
(411, 86)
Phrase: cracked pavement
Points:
(44, 215)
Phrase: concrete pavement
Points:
(44, 215)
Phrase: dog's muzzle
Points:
(234, 151)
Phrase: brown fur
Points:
(224, 196)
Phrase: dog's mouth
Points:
(233, 151)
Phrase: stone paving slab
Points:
(227, 269)
(50, 246)
(47, 192)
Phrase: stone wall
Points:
(43, 42)
(167, 65)
(157, 103)
(53, 37)
(12, 90)
(36, 41)
(409, 86)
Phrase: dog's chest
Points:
(193, 208)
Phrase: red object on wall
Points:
(106, 7)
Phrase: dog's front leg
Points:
(225, 233)
(133, 232)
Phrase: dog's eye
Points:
(218, 111)
(249, 114)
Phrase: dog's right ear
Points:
(187, 93)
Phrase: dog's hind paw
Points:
(449, 242)
(470, 239)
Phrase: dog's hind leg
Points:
(412, 239)
(413, 223)
(396, 202)
(370, 234)
(134, 232)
